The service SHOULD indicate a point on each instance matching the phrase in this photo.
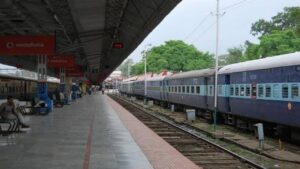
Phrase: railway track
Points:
(199, 150)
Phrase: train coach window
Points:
(295, 91)
(247, 90)
(285, 91)
(183, 89)
(231, 90)
(260, 91)
(237, 91)
(220, 90)
(268, 91)
(175, 89)
(188, 89)
(211, 91)
(179, 89)
(242, 93)
(198, 89)
(193, 89)
(169, 89)
(276, 91)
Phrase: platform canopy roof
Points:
(85, 28)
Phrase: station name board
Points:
(60, 61)
(27, 45)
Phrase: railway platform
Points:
(94, 132)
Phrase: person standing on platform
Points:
(8, 112)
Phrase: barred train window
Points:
(198, 89)
(188, 89)
(295, 91)
(268, 91)
(260, 91)
(211, 91)
(193, 89)
(285, 91)
(231, 91)
(237, 90)
(179, 89)
(276, 91)
(247, 90)
(175, 89)
(169, 88)
(242, 90)
(183, 89)
(220, 90)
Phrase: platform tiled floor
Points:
(92, 133)
(61, 140)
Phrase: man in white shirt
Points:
(8, 112)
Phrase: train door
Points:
(227, 82)
(166, 92)
(253, 91)
(205, 90)
(161, 90)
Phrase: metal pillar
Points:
(145, 55)
(62, 75)
(68, 88)
(145, 100)
(42, 87)
(62, 85)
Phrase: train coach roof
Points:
(156, 78)
(10, 76)
(191, 74)
(265, 63)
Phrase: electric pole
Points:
(216, 66)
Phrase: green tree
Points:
(289, 19)
(275, 43)
(174, 55)
(125, 67)
(137, 68)
(235, 55)
(278, 36)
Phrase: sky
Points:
(193, 21)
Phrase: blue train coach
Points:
(265, 89)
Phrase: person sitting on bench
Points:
(8, 112)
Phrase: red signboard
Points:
(75, 74)
(73, 68)
(118, 45)
(27, 45)
(74, 71)
(60, 61)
